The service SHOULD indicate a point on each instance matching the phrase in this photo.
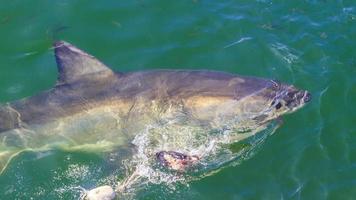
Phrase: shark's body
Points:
(92, 106)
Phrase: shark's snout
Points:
(300, 96)
(307, 97)
(296, 98)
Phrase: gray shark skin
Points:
(93, 108)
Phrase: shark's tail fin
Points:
(6, 157)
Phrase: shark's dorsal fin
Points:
(74, 64)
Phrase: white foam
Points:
(210, 147)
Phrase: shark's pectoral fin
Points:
(6, 157)
(74, 64)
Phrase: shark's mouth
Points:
(175, 160)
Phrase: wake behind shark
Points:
(92, 108)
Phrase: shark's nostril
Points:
(307, 97)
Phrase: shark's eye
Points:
(278, 106)
(275, 84)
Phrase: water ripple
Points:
(322, 121)
(238, 41)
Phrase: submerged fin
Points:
(73, 63)
(8, 119)
(6, 157)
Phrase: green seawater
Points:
(310, 44)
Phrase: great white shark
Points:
(94, 108)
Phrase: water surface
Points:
(310, 44)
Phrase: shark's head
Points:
(244, 102)
(231, 109)
(287, 98)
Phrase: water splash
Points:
(212, 146)
(282, 51)
(288, 55)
